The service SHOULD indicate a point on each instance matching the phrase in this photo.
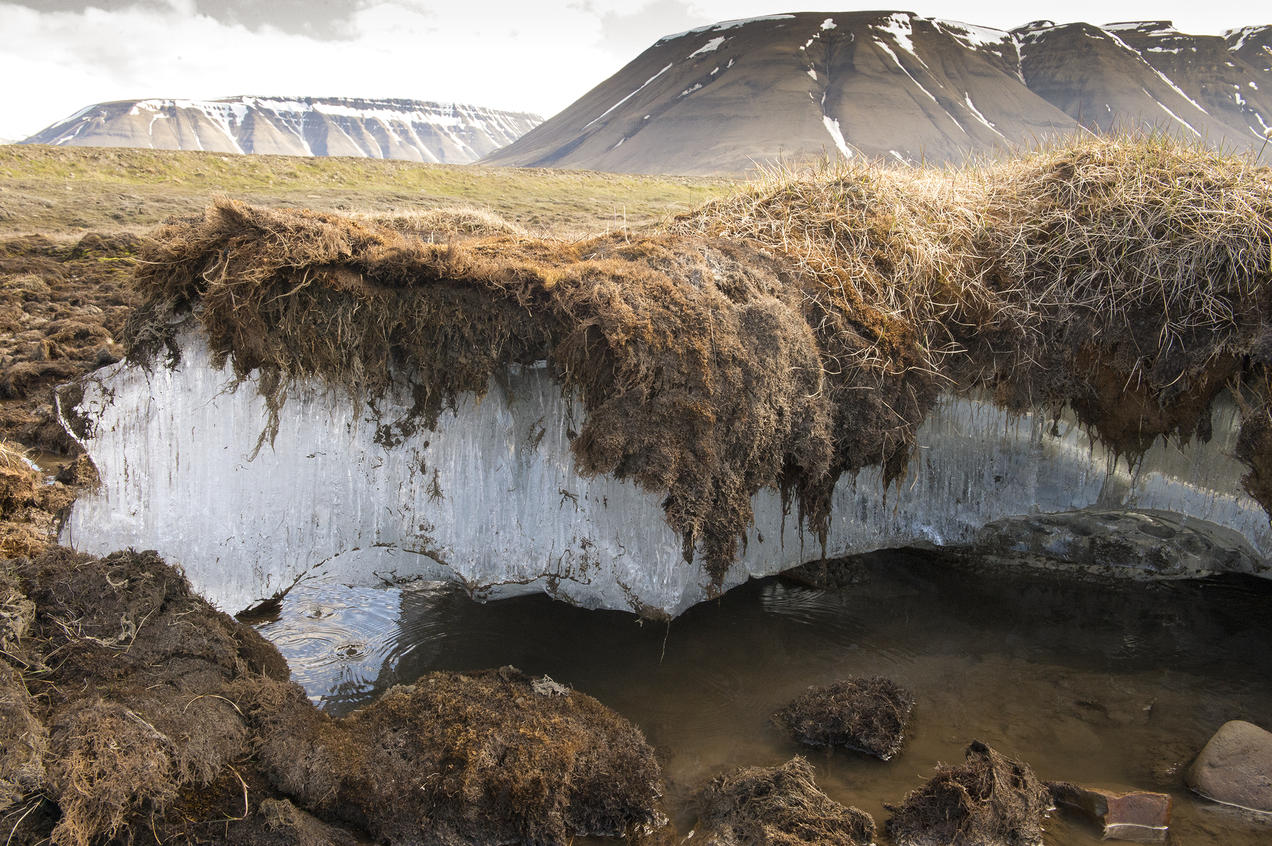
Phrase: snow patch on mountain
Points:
(306, 126)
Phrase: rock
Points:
(867, 714)
(1120, 543)
(1139, 816)
(778, 805)
(988, 799)
(1235, 767)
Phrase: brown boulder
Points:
(1235, 767)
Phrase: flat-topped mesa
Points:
(817, 366)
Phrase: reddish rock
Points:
(1139, 816)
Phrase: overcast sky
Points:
(61, 55)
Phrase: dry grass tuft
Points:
(447, 224)
(668, 341)
(797, 331)
(108, 764)
(988, 799)
(780, 806)
(489, 758)
(868, 714)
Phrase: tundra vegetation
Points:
(780, 335)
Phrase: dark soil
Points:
(777, 806)
(134, 711)
(866, 714)
(988, 800)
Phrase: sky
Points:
(522, 55)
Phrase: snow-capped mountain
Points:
(300, 126)
(721, 98)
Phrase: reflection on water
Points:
(1113, 685)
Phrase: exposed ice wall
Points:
(492, 497)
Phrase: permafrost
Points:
(492, 497)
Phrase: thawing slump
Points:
(818, 366)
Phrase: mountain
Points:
(721, 98)
(300, 126)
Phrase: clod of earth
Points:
(866, 714)
(798, 331)
(988, 800)
(777, 806)
(1138, 816)
(473, 758)
(149, 713)
(1235, 767)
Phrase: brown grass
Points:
(986, 801)
(489, 757)
(778, 806)
(668, 341)
(866, 714)
(783, 337)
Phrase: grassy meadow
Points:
(65, 191)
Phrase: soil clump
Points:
(865, 714)
(140, 713)
(778, 806)
(988, 800)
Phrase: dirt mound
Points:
(781, 338)
(489, 760)
(778, 806)
(988, 800)
(866, 714)
(150, 714)
(62, 307)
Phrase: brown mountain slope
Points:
(722, 98)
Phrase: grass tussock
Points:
(988, 799)
(868, 714)
(781, 806)
(494, 757)
(796, 331)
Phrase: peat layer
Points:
(798, 331)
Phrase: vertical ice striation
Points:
(492, 497)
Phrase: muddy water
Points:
(1112, 685)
